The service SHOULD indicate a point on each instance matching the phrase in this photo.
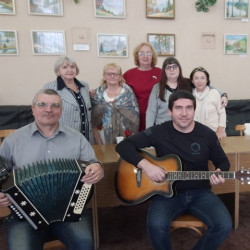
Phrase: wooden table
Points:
(237, 149)
(240, 145)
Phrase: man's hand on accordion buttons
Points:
(4, 200)
(93, 173)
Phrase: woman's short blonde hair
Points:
(113, 66)
(137, 49)
(64, 59)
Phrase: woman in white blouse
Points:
(209, 110)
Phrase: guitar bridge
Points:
(138, 177)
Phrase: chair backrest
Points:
(4, 133)
(241, 128)
(5, 211)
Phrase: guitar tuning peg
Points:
(242, 169)
(242, 182)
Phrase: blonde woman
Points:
(115, 108)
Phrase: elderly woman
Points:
(142, 78)
(115, 108)
(75, 96)
(209, 110)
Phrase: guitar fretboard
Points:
(198, 175)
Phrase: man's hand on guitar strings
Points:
(154, 173)
(216, 179)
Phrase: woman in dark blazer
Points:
(75, 96)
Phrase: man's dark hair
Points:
(179, 95)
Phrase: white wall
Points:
(21, 76)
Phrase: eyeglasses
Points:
(145, 53)
(173, 66)
(112, 74)
(53, 106)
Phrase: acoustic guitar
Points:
(133, 186)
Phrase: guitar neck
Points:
(198, 175)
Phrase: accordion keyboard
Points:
(82, 198)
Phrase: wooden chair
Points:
(4, 211)
(54, 245)
(4, 133)
(241, 128)
(188, 221)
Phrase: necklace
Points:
(115, 93)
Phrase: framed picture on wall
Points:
(236, 9)
(110, 8)
(112, 45)
(8, 43)
(45, 7)
(160, 8)
(7, 7)
(164, 44)
(235, 44)
(47, 42)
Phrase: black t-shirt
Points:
(194, 149)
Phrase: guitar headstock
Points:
(243, 175)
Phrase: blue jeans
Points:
(203, 204)
(75, 235)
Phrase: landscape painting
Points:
(48, 42)
(112, 45)
(235, 44)
(160, 8)
(164, 44)
(46, 7)
(8, 42)
(7, 7)
(236, 9)
(110, 8)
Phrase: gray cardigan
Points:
(157, 111)
(71, 112)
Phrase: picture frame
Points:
(164, 44)
(236, 9)
(235, 44)
(8, 43)
(48, 42)
(160, 9)
(45, 7)
(208, 40)
(110, 8)
(7, 7)
(112, 45)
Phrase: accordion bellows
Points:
(48, 192)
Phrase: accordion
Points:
(47, 192)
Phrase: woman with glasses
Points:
(115, 108)
(75, 96)
(209, 110)
(143, 77)
(171, 81)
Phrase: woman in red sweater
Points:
(143, 77)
